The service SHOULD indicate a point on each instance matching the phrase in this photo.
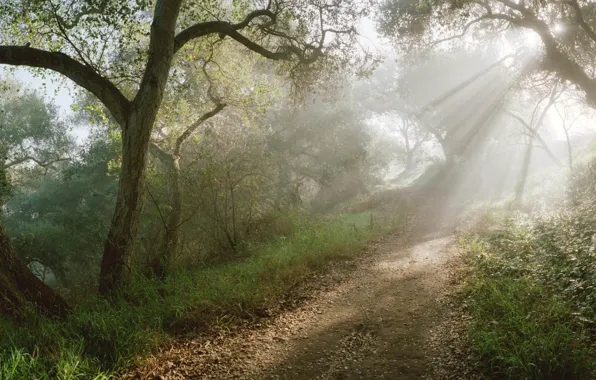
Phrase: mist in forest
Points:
(167, 164)
(476, 115)
(403, 126)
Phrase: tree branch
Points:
(158, 152)
(118, 105)
(224, 28)
(211, 27)
(163, 220)
(64, 33)
(219, 106)
(43, 164)
(464, 30)
(556, 60)
(191, 128)
(536, 135)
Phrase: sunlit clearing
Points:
(464, 102)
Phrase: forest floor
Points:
(386, 315)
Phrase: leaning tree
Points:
(124, 53)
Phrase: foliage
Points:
(111, 37)
(521, 330)
(91, 44)
(99, 337)
(31, 134)
(60, 220)
(241, 168)
(324, 152)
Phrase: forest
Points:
(297, 189)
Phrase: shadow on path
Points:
(374, 324)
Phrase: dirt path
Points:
(374, 324)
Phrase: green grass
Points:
(99, 338)
(525, 323)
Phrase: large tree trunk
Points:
(446, 173)
(410, 166)
(125, 222)
(136, 132)
(18, 286)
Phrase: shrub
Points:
(531, 295)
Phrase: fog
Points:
(472, 122)
(179, 168)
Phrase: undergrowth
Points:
(99, 338)
(531, 293)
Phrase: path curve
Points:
(374, 324)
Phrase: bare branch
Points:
(206, 116)
(219, 106)
(161, 217)
(62, 30)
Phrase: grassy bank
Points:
(530, 293)
(99, 338)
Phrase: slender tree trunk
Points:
(18, 286)
(448, 170)
(5, 188)
(449, 150)
(569, 150)
(409, 153)
(283, 184)
(169, 245)
(410, 165)
(523, 176)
